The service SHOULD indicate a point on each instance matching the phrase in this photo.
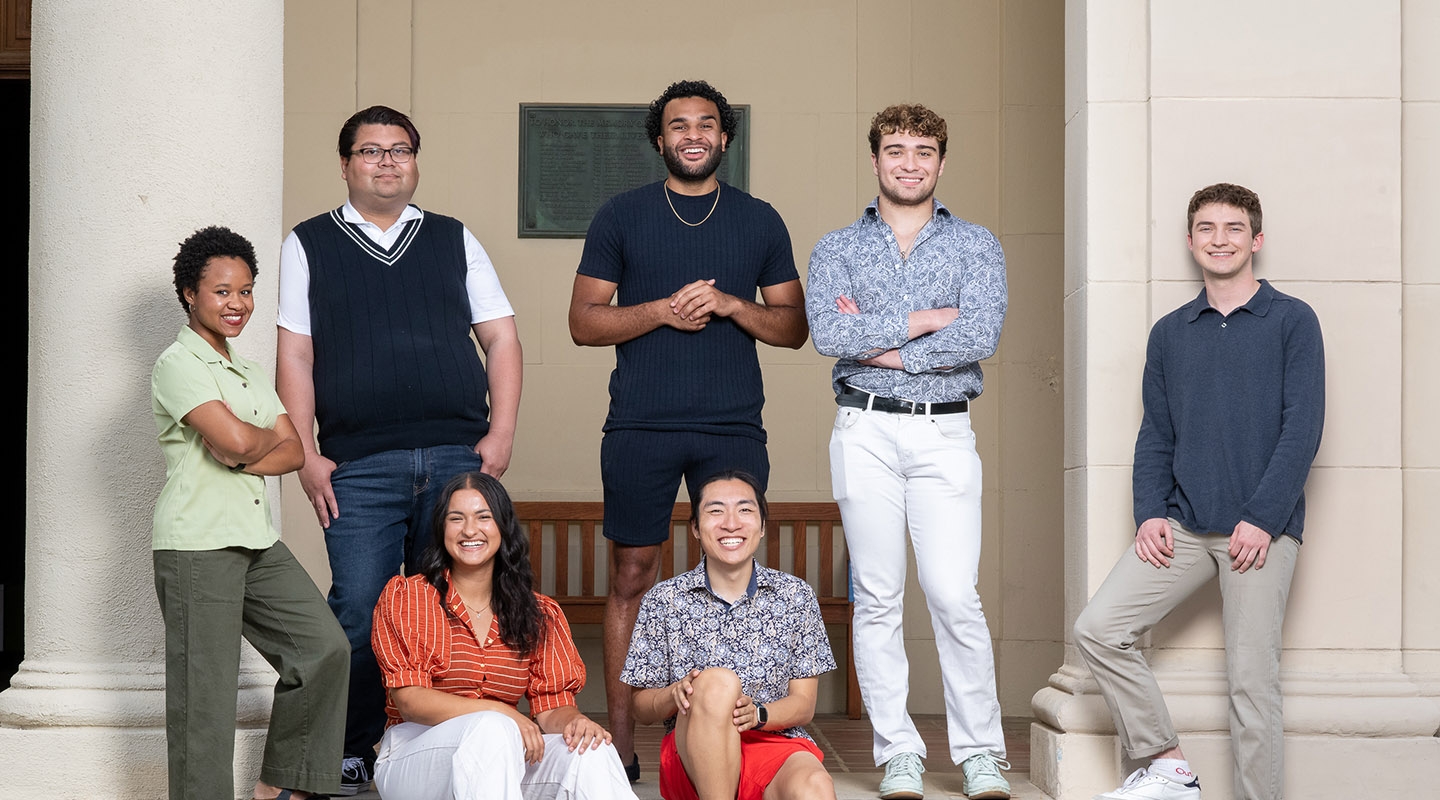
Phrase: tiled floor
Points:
(847, 748)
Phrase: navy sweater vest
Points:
(395, 367)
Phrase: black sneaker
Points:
(632, 770)
(354, 776)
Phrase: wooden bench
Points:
(565, 532)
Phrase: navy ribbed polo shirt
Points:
(1234, 406)
(669, 380)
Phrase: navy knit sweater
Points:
(1234, 406)
(395, 367)
(668, 380)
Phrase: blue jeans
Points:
(386, 503)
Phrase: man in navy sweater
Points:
(378, 301)
(683, 258)
(1234, 397)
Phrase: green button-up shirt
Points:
(205, 506)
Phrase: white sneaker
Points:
(1146, 785)
(902, 779)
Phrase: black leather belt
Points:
(859, 398)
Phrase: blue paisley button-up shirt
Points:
(952, 264)
(770, 636)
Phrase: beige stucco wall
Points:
(813, 74)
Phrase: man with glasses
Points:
(377, 303)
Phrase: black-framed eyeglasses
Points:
(374, 155)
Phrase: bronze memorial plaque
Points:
(574, 157)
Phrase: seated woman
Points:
(220, 570)
(459, 644)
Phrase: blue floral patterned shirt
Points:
(952, 264)
(772, 635)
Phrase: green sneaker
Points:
(983, 780)
(902, 778)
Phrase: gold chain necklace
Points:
(666, 186)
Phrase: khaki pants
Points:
(209, 599)
(1137, 595)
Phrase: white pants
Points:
(480, 757)
(887, 470)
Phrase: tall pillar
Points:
(149, 120)
(1304, 104)
(1420, 282)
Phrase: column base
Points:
(1077, 766)
(105, 763)
(97, 731)
(1353, 735)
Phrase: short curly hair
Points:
(916, 120)
(1228, 194)
(203, 245)
(654, 120)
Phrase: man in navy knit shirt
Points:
(378, 301)
(1234, 398)
(683, 259)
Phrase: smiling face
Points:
(471, 536)
(221, 302)
(1222, 242)
(691, 140)
(728, 523)
(908, 167)
(386, 185)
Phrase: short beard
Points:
(689, 173)
(904, 201)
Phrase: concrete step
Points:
(850, 786)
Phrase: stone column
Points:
(1304, 105)
(1420, 288)
(149, 120)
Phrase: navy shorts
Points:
(641, 471)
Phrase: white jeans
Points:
(480, 757)
(887, 470)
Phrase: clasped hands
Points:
(692, 306)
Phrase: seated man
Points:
(728, 656)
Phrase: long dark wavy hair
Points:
(511, 598)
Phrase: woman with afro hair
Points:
(221, 572)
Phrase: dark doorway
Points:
(14, 330)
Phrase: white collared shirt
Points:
(482, 285)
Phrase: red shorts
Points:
(762, 754)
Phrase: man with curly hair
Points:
(683, 258)
(909, 299)
(1234, 398)
(378, 301)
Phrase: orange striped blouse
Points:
(417, 644)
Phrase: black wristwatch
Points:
(762, 716)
